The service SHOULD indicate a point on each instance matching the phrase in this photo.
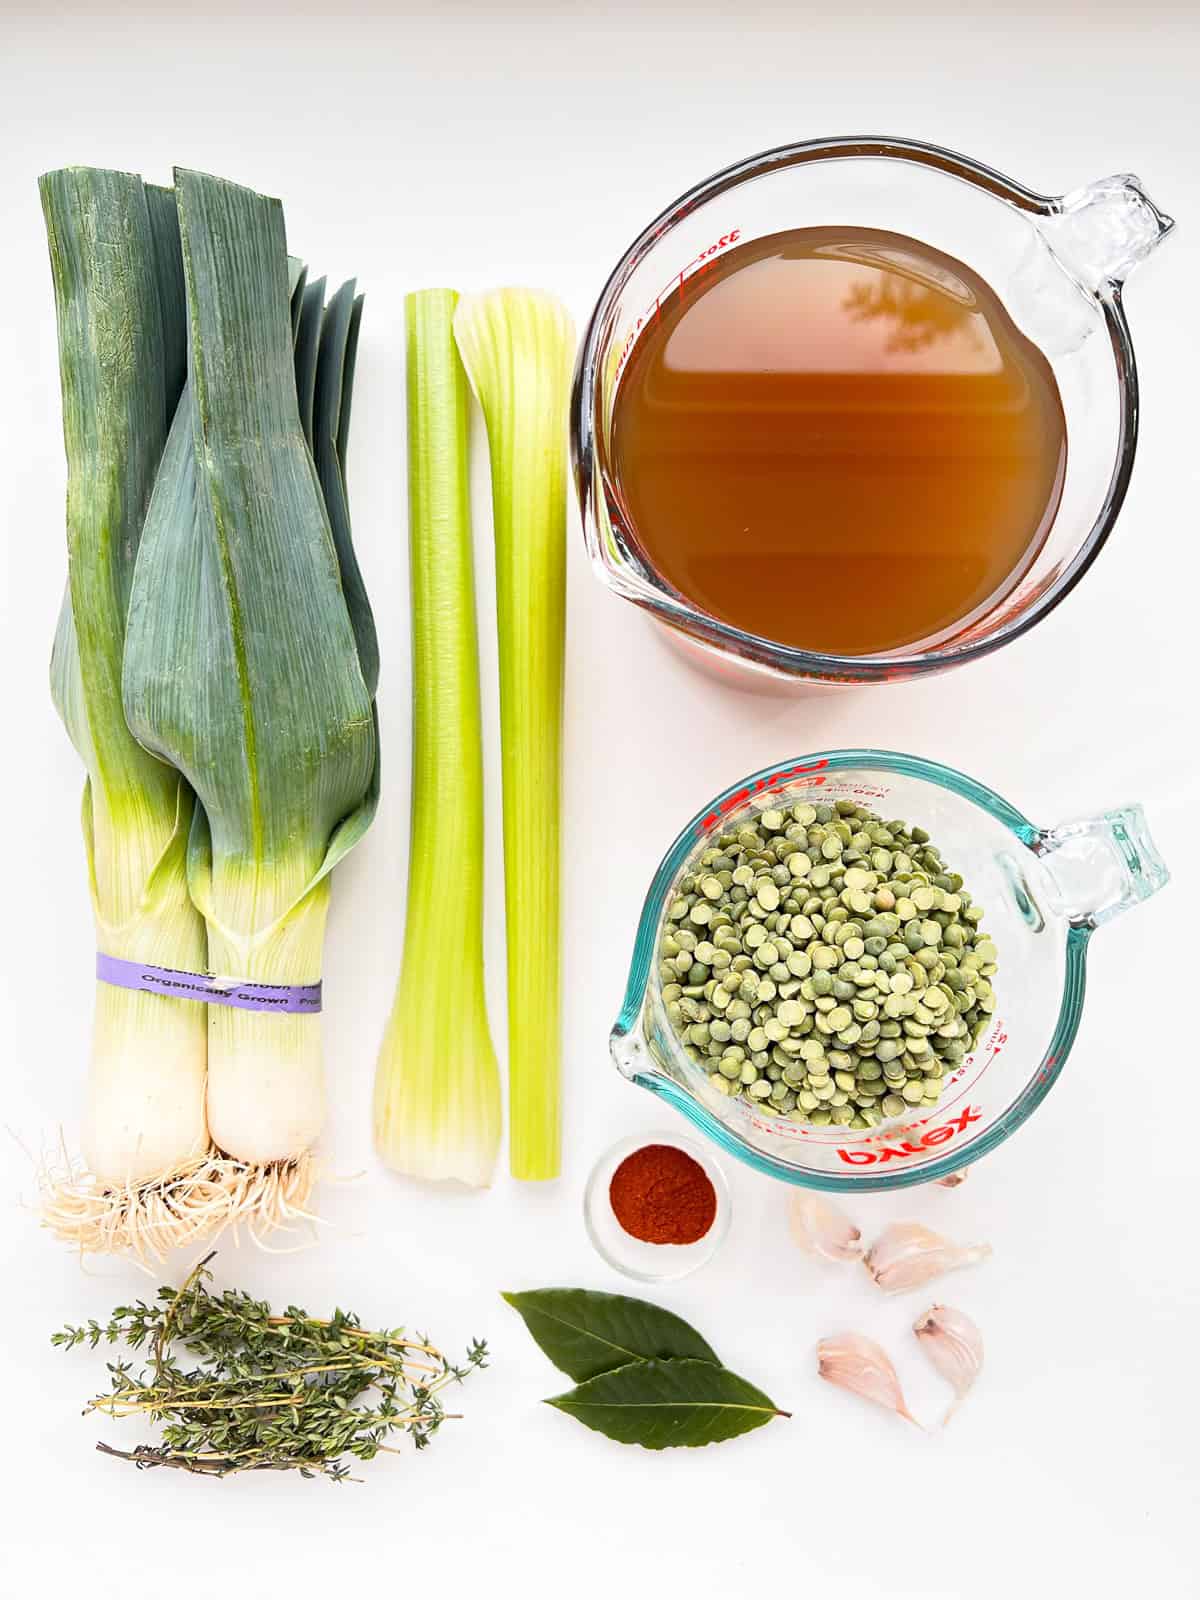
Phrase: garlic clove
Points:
(907, 1254)
(852, 1361)
(821, 1229)
(952, 1180)
(955, 1347)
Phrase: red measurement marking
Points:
(654, 308)
(741, 797)
(789, 1128)
(861, 791)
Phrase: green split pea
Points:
(825, 965)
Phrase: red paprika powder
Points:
(662, 1195)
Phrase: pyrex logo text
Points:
(914, 1147)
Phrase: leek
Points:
(114, 253)
(518, 348)
(242, 667)
(437, 1086)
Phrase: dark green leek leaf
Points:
(343, 436)
(330, 429)
(114, 249)
(297, 278)
(585, 1332)
(308, 342)
(662, 1404)
(326, 343)
(241, 666)
(172, 295)
(119, 293)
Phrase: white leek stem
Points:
(144, 1109)
(266, 1077)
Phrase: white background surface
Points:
(446, 147)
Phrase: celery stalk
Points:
(437, 1086)
(518, 348)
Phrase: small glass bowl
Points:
(650, 1263)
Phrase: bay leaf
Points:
(662, 1404)
(586, 1332)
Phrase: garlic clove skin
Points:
(821, 1229)
(852, 1361)
(907, 1254)
(955, 1347)
(952, 1180)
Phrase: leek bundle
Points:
(242, 667)
(151, 1175)
(437, 1086)
(118, 283)
(518, 347)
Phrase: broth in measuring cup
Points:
(837, 439)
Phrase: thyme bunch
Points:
(268, 1392)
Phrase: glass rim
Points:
(786, 659)
(766, 781)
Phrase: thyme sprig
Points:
(270, 1392)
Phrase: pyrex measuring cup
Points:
(1058, 263)
(1044, 894)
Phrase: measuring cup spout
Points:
(1099, 867)
(630, 1054)
(1098, 234)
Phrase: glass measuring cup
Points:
(1057, 262)
(1044, 891)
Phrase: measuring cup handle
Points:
(1099, 234)
(1101, 866)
